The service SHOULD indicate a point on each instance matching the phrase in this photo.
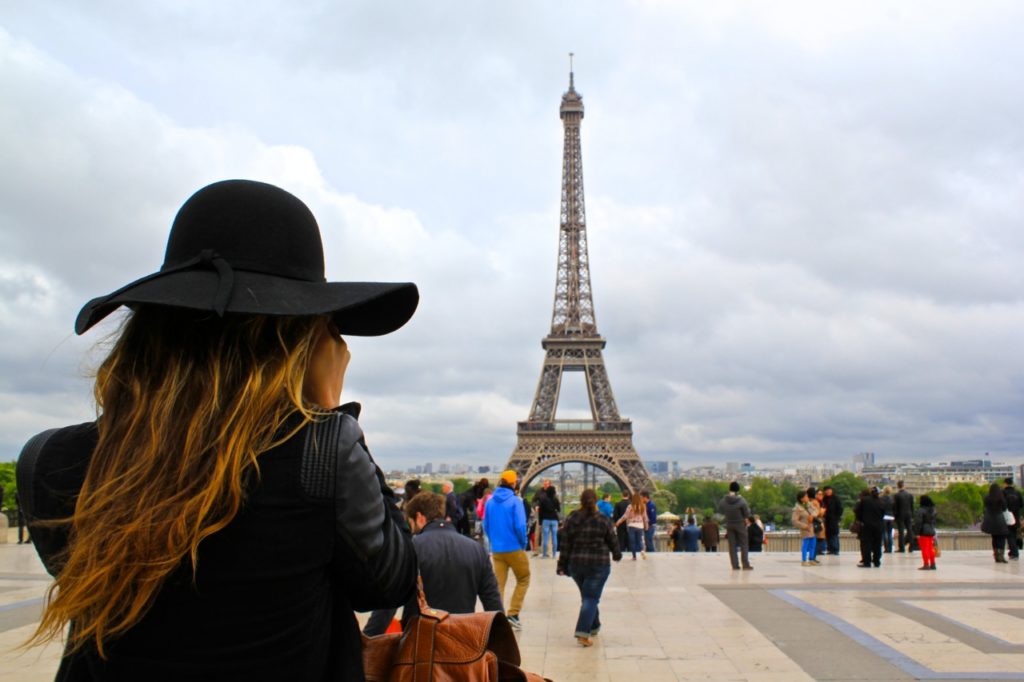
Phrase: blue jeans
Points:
(549, 529)
(832, 542)
(636, 539)
(807, 549)
(649, 538)
(590, 580)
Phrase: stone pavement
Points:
(689, 617)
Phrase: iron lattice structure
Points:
(574, 345)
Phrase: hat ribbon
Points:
(208, 257)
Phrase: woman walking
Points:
(994, 522)
(635, 519)
(802, 519)
(924, 529)
(198, 530)
(587, 539)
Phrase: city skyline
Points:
(804, 219)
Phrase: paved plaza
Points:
(689, 617)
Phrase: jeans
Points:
(590, 580)
(832, 542)
(887, 536)
(738, 541)
(807, 549)
(636, 539)
(649, 538)
(550, 527)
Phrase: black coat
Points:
(833, 513)
(868, 511)
(903, 505)
(455, 569)
(274, 592)
(993, 522)
(548, 506)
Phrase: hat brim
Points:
(357, 308)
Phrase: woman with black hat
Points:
(222, 517)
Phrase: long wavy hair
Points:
(187, 401)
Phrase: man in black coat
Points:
(1013, 504)
(903, 508)
(868, 511)
(617, 513)
(833, 515)
(455, 569)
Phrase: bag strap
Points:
(25, 473)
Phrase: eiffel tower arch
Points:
(605, 440)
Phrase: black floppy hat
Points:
(240, 246)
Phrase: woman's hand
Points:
(325, 375)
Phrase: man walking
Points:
(833, 515)
(455, 569)
(618, 511)
(452, 510)
(736, 510)
(505, 526)
(652, 522)
(1013, 504)
(903, 510)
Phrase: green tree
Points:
(461, 485)
(969, 495)
(8, 483)
(664, 500)
(763, 496)
(953, 514)
(610, 488)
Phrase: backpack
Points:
(437, 645)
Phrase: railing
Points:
(575, 425)
(789, 541)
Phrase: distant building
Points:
(443, 469)
(657, 466)
(863, 459)
(732, 467)
(925, 477)
(746, 468)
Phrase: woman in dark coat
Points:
(868, 511)
(588, 537)
(994, 523)
(222, 518)
(924, 529)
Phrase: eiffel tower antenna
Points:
(605, 440)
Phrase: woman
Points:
(802, 520)
(817, 499)
(924, 529)
(676, 536)
(549, 510)
(635, 519)
(755, 535)
(994, 523)
(587, 538)
(868, 511)
(222, 519)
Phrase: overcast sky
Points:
(805, 219)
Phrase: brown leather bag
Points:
(438, 646)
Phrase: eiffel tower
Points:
(606, 440)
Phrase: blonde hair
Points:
(187, 401)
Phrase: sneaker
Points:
(815, 562)
(806, 563)
(514, 622)
(748, 568)
(584, 641)
(924, 568)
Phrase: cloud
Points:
(803, 221)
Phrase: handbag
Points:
(855, 527)
(938, 550)
(1009, 517)
(454, 647)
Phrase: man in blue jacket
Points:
(652, 522)
(505, 526)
